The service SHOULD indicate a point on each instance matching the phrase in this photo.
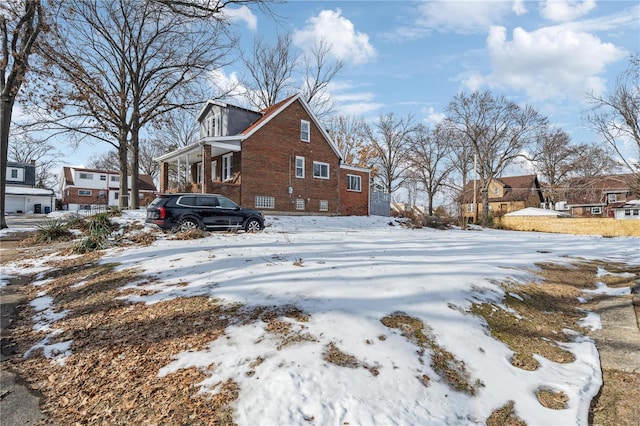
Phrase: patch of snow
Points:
(602, 288)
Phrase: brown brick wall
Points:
(352, 202)
(268, 165)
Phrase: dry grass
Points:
(505, 416)
(336, 356)
(617, 403)
(550, 399)
(191, 234)
(451, 370)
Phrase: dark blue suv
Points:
(202, 211)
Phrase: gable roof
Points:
(594, 190)
(145, 182)
(211, 103)
(515, 188)
(270, 112)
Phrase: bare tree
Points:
(319, 70)
(429, 158)
(350, 134)
(21, 23)
(270, 71)
(120, 65)
(24, 149)
(107, 161)
(497, 129)
(177, 128)
(149, 150)
(554, 159)
(617, 117)
(389, 138)
(594, 160)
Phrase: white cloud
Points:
(346, 43)
(466, 17)
(242, 14)
(433, 117)
(550, 63)
(565, 10)
(230, 84)
(519, 7)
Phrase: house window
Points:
(88, 176)
(114, 178)
(214, 170)
(496, 191)
(227, 166)
(15, 174)
(503, 207)
(305, 131)
(354, 183)
(324, 205)
(300, 167)
(612, 198)
(596, 210)
(299, 203)
(116, 195)
(84, 192)
(263, 202)
(469, 208)
(103, 177)
(636, 212)
(212, 125)
(102, 195)
(320, 170)
(627, 212)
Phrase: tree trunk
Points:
(6, 110)
(123, 200)
(485, 207)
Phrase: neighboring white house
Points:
(21, 196)
(28, 200)
(630, 210)
(83, 188)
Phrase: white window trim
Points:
(84, 192)
(305, 131)
(612, 198)
(87, 176)
(596, 210)
(300, 203)
(324, 206)
(358, 179)
(321, 164)
(302, 175)
(227, 166)
(214, 170)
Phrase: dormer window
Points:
(212, 125)
(305, 131)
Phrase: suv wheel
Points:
(252, 225)
(189, 223)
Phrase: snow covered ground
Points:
(347, 273)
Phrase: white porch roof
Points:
(191, 154)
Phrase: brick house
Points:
(597, 196)
(278, 160)
(506, 195)
(83, 189)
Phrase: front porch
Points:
(204, 167)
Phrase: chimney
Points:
(32, 162)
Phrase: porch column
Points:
(206, 168)
(164, 177)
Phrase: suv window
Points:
(208, 201)
(188, 200)
(226, 203)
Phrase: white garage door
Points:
(14, 203)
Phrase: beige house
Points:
(506, 194)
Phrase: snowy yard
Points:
(346, 274)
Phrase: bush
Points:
(53, 230)
(91, 243)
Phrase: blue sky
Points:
(412, 57)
